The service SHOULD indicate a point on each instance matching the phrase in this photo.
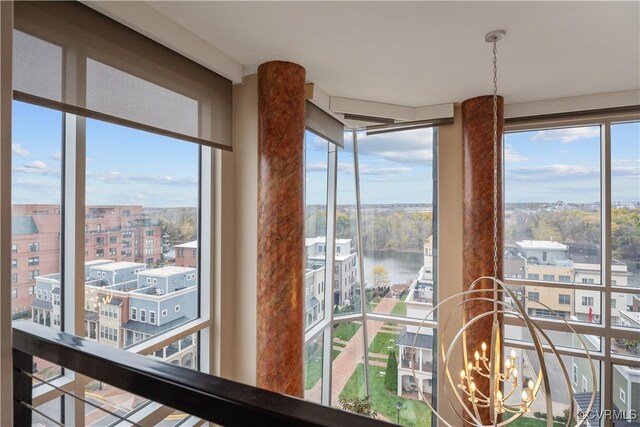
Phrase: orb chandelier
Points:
(509, 397)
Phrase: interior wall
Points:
(238, 237)
(450, 168)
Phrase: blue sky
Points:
(564, 164)
(126, 166)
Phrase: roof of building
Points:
(633, 315)
(320, 239)
(114, 301)
(189, 245)
(423, 341)
(23, 225)
(97, 262)
(112, 266)
(148, 329)
(38, 303)
(166, 271)
(91, 316)
(55, 290)
(541, 244)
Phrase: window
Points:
(134, 313)
(113, 240)
(99, 253)
(176, 308)
(14, 293)
(14, 278)
(143, 315)
(34, 261)
(550, 204)
(99, 241)
(623, 396)
(14, 263)
(152, 317)
(31, 290)
(164, 313)
(112, 251)
(549, 277)
(31, 275)
(534, 296)
(45, 295)
(531, 276)
(34, 247)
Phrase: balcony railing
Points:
(210, 398)
(424, 366)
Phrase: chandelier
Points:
(509, 397)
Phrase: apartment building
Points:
(126, 304)
(118, 233)
(186, 254)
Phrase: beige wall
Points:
(238, 174)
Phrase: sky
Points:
(127, 166)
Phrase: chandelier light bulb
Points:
(462, 375)
(507, 364)
(524, 396)
(513, 354)
(530, 385)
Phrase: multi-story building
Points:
(125, 304)
(419, 302)
(117, 233)
(345, 266)
(187, 254)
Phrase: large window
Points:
(352, 352)
(572, 203)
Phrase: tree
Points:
(356, 405)
(380, 277)
(391, 374)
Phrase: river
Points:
(401, 266)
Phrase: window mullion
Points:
(606, 390)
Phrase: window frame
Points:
(605, 331)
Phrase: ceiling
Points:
(426, 53)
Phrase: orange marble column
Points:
(280, 299)
(477, 127)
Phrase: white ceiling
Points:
(425, 53)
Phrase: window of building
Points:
(14, 248)
(164, 313)
(574, 377)
(14, 263)
(152, 317)
(587, 301)
(614, 303)
(534, 296)
(113, 240)
(34, 247)
(564, 299)
(532, 276)
(35, 260)
(565, 279)
(143, 315)
(14, 293)
(584, 384)
(548, 277)
(31, 290)
(14, 278)
(31, 275)
(623, 396)
(99, 253)
(134, 313)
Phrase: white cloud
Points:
(411, 147)
(567, 134)
(115, 177)
(35, 184)
(625, 168)
(18, 150)
(535, 174)
(56, 155)
(511, 156)
(36, 164)
(366, 170)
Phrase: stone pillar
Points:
(280, 281)
(478, 255)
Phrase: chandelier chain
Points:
(495, 160)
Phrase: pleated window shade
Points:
(322, 124)
(69, 57)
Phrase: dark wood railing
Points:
(210, 398)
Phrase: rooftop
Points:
(309, 241)
(23, 225)
(167, 271)
(542, 244)
(189, 245)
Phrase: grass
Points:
(334, 354)
(413, 413)
(381, 341)
(346, 331)
(400, 309)
(313, 368)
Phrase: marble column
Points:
(478, 253)
(280, 295)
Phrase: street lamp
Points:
(398, 407)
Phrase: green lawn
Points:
(381, 341)
(313, 368)
(334, 354)
(400, 309)
(414, 412)
(346, 331)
